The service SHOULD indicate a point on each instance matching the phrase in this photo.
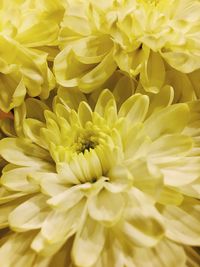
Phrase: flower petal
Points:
(61, 225)
(181, 171)
(88, 243)
(142, 224)
(22, 152)
(29, 215)
(147, 177)
(15, 251)
(165, 254)
(170, 146)
(172, 119)
(116, 183)
(68, 198)
(152, 74)
(98, 75)
(15, 178)
(182, 222)
(106, 207)
(135, 108)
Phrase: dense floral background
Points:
(100, 133)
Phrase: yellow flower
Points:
(32, 23)
(125, 174)
(138, 37)
(28, 37)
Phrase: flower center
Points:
(85, 145)
(86, 140)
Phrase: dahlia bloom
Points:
(136, 36)
(109, 183)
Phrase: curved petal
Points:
(61, 225)
(15, 178)
(152, 75)
(147, 177)
(142, 225)
(67, 199)
(12, 90)
(32, 129)
(165, 254)
(106, 207)
(104, 98)
(84, 113)
(182, 222)
(171, 145)
(88, 243)
(183, 88)
(135, 108)
(172, 119)
(29, 215)
(160, 100)
(22, 152)
(120, 179)
(19, 244)
(98, 75)
(181, 171)
(182, 61)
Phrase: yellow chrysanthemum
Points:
(138, 37)
(28, 37)
(122, 174)
(32, 23)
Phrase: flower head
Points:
(28, 37)
(138, 37)
(119, 172)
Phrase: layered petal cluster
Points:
(109, 184)
(95, 177)
(156, 40)
(28, 37)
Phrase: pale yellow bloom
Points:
(25, 26)
(138, 37)
(32, 23)
(122, 173)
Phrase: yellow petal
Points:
(170, 146)
(152, 75)
(165, 254)
(88, 243)
(182, 61)
(19, 244)
(182, 223)
(143, 225)
(172, 119)
(68, 198)
(29, 215)
(22, 152)
(106, 207)
(135, 108)
(16, 179)
(98, 75)
(60, 226)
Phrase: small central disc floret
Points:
(86, 140)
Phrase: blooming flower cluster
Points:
(99, 133)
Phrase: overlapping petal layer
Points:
(92, 177)
(149, 38)
(117, 171)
